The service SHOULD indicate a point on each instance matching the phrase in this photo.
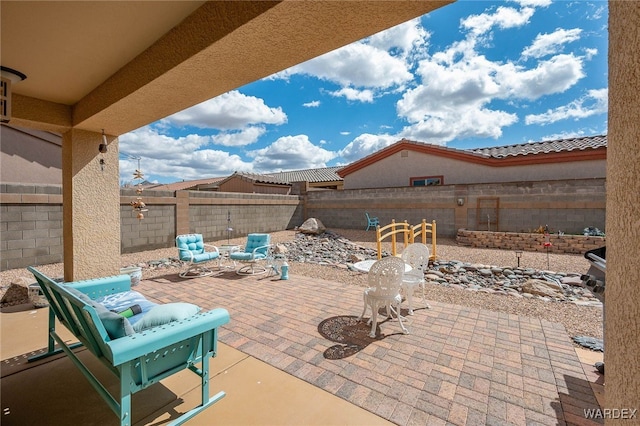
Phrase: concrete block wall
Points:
(566, 205)
(247, 212)
(30, 226)
(156, 230)
(574, 244)
(346, 209)
(31, 219)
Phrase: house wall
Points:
(30, 156)
(566, 205)
(396, 170)
(31, 219)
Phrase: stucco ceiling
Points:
(121, 65)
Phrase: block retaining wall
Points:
(574, 244)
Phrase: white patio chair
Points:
(416, 255)
(385, 280)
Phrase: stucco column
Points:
(182, 213)
(91, 206)
(622, 305)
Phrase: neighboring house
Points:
(409, 163)
(208, 184)
(30, 156)
(254, 183)
(272, 183)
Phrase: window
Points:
(426, 181)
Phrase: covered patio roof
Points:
(119, 66)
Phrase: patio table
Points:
(365, 265)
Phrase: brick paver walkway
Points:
(458, 365)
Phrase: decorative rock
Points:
(312, 226)
(17, 293)
(280, 249)
(541, 288)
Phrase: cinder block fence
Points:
(31, 215)
(31, 220)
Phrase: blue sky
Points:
(471, 74)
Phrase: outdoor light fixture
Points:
(518, 256)
(461, 201)
(8, 76)
(103, 146)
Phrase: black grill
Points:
(594, 279)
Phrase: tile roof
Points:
(326, 174)
(185, 184)
(257, 178)
(544, 147)
(509, 155)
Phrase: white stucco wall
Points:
(396, 170)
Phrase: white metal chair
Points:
(256, 249)
(193, 251)
(385, 280)
(416, 255)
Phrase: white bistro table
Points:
(225, 250)
(365, 265)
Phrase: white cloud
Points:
(358, 65)
(231, 110)
(366, 144)
(184, 157)
(481, 123)
(551, 76)
(405, 38)
(503, 17)
(354, 94)
(547, 44)
(243, 137)
(312, 104)
(290, 153)
(594, 102)
(534, 3)
(345, 133)
(453, 101)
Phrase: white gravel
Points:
(578, 320)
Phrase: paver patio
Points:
(458, 365)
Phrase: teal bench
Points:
(138, 360)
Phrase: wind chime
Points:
(229, 228)
(138, 205)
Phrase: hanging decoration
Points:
(229, 228)
(139, 205)
(547, 243)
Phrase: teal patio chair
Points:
(371, 221)
(193, 251)
(255, 250)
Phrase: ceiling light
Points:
(11, 74)
(8, 77)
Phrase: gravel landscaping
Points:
(578, 320)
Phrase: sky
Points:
(472, 74)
